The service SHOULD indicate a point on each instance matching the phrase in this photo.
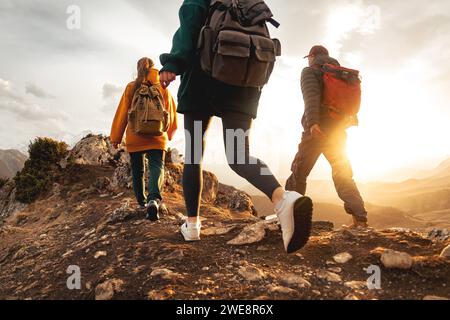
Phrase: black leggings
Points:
(237, 147)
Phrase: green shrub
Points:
(38, 172)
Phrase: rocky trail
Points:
(89, 220)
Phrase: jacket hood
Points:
(153, 76)
(322, 59)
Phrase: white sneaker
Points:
(295, 215)
(191, 231)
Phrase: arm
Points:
(120, 121)
(192, 17)
(172, 107)
(312, 96)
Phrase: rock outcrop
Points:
(90, 219)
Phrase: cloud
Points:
(34, 90)
(111, 91)
(111, 96)
(13, 102)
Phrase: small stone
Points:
(218, 231)
(107, 290)
(251, 273)
(435, 298)
(100, 254)
(43, 236)
(293, 280)
(205, 269)
(343, 258)
(272, 226)
(88, 285)
(281, 290)
(335, 269)
(160, 295)
(68, 253)
(263, 248)
(356, 285)
(351, 297)
(90, 232)
(166, 274)
(396, 260)
(328, 276)
(175, 255)
(446, 252)
(251, 234)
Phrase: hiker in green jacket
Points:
(202, 97)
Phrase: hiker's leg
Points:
(195, 126)
(156, 173)
(236, 129)
(335, 152)
(308, 153)
(137, 172)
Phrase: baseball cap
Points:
(317, 50)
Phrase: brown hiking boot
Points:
(357, 225)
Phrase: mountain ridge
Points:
(88, 220)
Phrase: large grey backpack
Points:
(147, 115)
(235, 45)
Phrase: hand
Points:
(317, 133)
(116, 145)
(166, 77)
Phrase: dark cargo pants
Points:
(334, 149)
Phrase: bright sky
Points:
(63, 83)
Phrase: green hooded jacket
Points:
(198, 91)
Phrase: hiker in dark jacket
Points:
(200, 98)
(324, 135)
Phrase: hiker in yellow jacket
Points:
(142, 146)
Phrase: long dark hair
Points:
(143, 67)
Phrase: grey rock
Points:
(343, 257)
(293, 280)
(251, 234)
(251, 273)
(328, 276)
(166, 274)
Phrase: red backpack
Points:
(341, 91)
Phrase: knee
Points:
(238, 169)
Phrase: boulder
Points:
(94, 150)
(8, 204)
(439, 234)
(235, 199)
